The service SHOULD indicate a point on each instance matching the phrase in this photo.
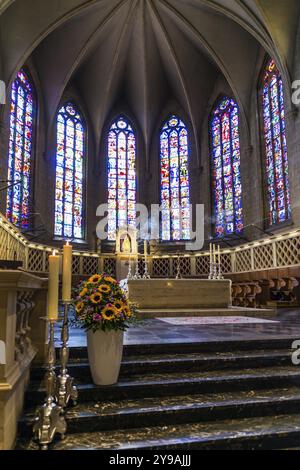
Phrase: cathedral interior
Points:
(160, 139)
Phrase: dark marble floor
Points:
(153, 331)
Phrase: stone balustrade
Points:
(23, 335)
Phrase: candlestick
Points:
(53, 283)
(66, 390)
(129, 275)
(48, 418)
(146, 274)
(67, 273)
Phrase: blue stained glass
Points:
(276, 158)
(22, 116)
(225, 156)
(70, 165)
(174, 179)
(121, 177)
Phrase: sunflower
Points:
(110, 279)
(83, 292)
(94, 279)
(105, 289)
(109, 312)
(126, 311)
(118, 304)
(79, 307)
(96, 298)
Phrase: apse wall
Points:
(188, 67)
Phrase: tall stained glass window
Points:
(225, 156)
(175, 191)
(22, 116)
(70, 165)
(121, 177)
(276, 158)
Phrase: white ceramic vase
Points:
(105, 349)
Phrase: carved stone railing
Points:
(23, 300)
(278, 251)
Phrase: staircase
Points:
(213, 395)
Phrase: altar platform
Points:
(187, 297)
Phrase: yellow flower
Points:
(109, 312)
(105, 289)
(79, 307)
(96, 298)
(110, 279)
(118, 304)
(126, 311)
(83, 292)
(94, 279)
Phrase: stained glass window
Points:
(70, 165)
(225, 156)
(276, 158)
(22, 115)
(121, 177)
(175, 191)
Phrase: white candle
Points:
(219, 255)
(53, 283)
(214, 253)
(67, 273)
(145, 248)
(210, 253)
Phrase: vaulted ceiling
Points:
(146, 53)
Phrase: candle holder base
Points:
(48, 422)
(65, 389)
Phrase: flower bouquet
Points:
(104, 312)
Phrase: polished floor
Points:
(286, 324)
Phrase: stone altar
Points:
(180, 293)
(187, 297)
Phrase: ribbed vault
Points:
(145, 52)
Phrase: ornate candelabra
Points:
(213, 271)
(49, 419)
(65, 389)
(146, 272)
(178, 270)
(137, 273)
(129, 275)
(220, 276)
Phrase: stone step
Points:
(154, 385)
(80, 352)
(92, 417)
(134, 365)
(274, 432)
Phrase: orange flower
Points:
(118, 304)
(79, 307)
(83, 292)
(110, 279)
(94, 279)
(109, 312)
(96, 298)
(126, 311)
(104, 288)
